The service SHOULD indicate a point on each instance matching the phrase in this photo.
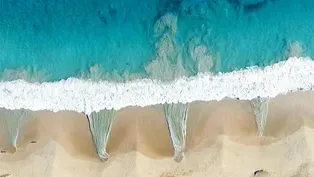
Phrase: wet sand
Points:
(221, 141)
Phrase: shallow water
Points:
(118, 40)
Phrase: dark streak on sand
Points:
(5, 175)
(258, 171)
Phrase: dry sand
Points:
(221, 141)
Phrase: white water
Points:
(260, 111)
(12, 121)
(176, 117)
(100, 125)
(87, 96)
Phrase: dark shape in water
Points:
(102, 18)
(256, 6)
(100, 125)
(176, 117)
(250, 5)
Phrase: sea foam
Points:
(88, 96)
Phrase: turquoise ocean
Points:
(120, 40)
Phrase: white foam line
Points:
(87, 96)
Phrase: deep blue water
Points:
(65, 38)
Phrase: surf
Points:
(87, 96)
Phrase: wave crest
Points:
(86, 95)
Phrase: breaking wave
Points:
(88, 96)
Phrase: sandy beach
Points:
(221, 141)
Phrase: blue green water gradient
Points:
(64, 39)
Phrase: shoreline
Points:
(87, 96)
(222, 140)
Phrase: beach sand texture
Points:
(222, 141)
